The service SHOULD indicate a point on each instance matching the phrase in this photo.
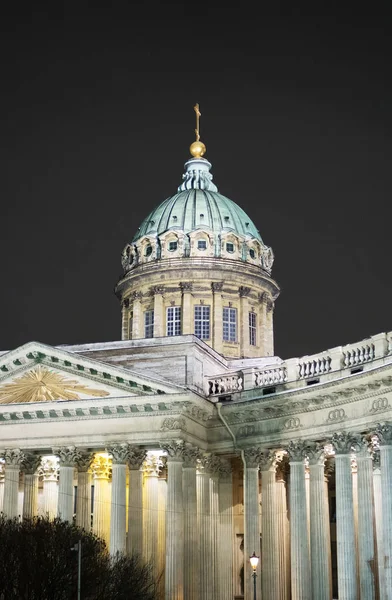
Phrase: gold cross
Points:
(198, 115)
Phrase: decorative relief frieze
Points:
(336, 415)
(293, 423)
(172, 423)
(247, 430)
(380, 405)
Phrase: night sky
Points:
(96, 121)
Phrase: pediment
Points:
(36, 372)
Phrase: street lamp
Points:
(78, 548)
(254, 561)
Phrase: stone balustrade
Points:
(301, 371)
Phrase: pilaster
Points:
(137, 318)
(159, 316)
(186, 306)
(217, 325)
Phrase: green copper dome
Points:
(198, 205)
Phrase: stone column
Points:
(30, 488)
(319, 525)
(244, 320)
(300, 567)
(217, 324)
(283, 532)
(265, 325)
(136, 457)
(49, 471)
(83, 494)
(125, 319)
(191, 533)
(346, 554)
(366, 547)
(118, 520)
(159, 316)
(151, 468)
(377, 494)
(162, 515)
(137, 319)
(68, 456)
(13, 458)
(2, 475)
(225, 568)
(215, 465)
(174, 574)
(187, 313)
(270, 575)
(206, 588)
(101, 468)
(384, 432)
(252, 457)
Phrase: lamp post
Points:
(254, 561)
(78, 548)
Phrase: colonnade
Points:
(174, 506)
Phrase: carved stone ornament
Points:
(158, 290)
(152, 465)
(68, 455)
(225, 469)
(253, 456)
(186, 286)
(217, 286)
(207, 463)
(173, 423)
(376, 459)
(48, 470)
(363, 448)
(315, 453)
(268, 460)
(136, 296)
(31, 463)
(2, 471)
(267, 258)
(84, 461)
(119, 453)
(191, 456)
(175, 450)
(297, 450)
(125, 303)
(101, 467)
(343, 442)
(13, 457)
(384, 433)
(243, 291)
(136, 456)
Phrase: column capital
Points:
(152, 465)
(343, 442)
(217, 286)
(158, 290)
(101, 467)
(376, 459)
(191, 456)
(315, 453)
(384, 434)
(186, 286)
(243, 291)
(175, 450)
(136, 456)
(49, 469)
(2, 472)
(68, 455)
(297, 450)
(118, 453)
(208, 463)
(84, 460)
(136, 296)
(268, 460)
(253, 456)
(363, 448)
(30, 463)
(13, 457)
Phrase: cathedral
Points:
(189, 442)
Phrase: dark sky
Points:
(96, 120)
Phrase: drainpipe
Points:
(225, 423)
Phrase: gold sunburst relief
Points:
(42, 385)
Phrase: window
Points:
(148, 250)
(173, 320)
(230, 324)
(229, 247)
(252, 329)
(252, 253)
(202, 245)
(149, 324)
(173, 246)
(202, 322)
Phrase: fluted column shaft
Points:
(319, 530)
(174, 573)
(49, 470)
(226, 536)
(101, 508)
(83, 496)
(214, 508)
(366, 546)
(151, 467)
(300, 568)
(65, 499)
(204, 526)
(135, 512)
(270, 575)
(2, 472)
(191, 534)
(251, 520)
(283, 537)
(30, 495)
(377, 494)
(345, 533)
(137, 319)
(385, 436)
(118, 509)
(13, 460)
(159, 319)
(162, 516)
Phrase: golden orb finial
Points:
(197, 149)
